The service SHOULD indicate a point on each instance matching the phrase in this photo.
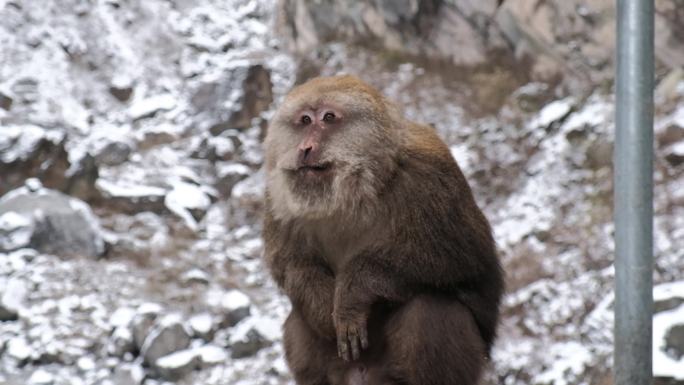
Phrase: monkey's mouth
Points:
(315, 170)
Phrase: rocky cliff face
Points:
(570, 39)
(130, 190)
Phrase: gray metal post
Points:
(634, 194)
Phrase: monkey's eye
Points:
(329, 117)
(306, 120)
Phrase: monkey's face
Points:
(326, 148)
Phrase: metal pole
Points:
(634, 194)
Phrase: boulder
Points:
(248, 344)
(211, 355)
(143, 322)
(235, 100)
(5, 100)
(674, 341)
(228, 175)
(49, 221)
(14, 291)
(176, 365)
(167, 337)
(202, 326)
(233, 305)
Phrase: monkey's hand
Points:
(351, 326)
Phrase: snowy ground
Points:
(179, 206)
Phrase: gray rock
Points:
(60, 224)
(674, 341)
(176, 365)
(121, 342)
(216, 148)
(248, 344)
(5, 101)
(667, 304)
(673, 133)
(228, 175)
(234, 306)
(113, 153)
(674, 154)
(168, 336)
(143, 322)
(234, 101)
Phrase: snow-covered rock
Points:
(13, 293)
(210, 355)
(19, 349)
(177, 364)
(143, 322)
(59, 224)
(228, 175)
(202, 325)
(41, 377)
(190, 202)
(247, 343)
(233, 305)
(168, 336)
(146, 108)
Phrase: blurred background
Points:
(131, 193)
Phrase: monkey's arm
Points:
(442, 244)
(308, 284)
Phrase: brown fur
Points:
(389, 244)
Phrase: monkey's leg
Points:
(432, 341)
(308, 355)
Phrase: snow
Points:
(146, 107)
(41, 377)
(677, 148)
(233, 300)
(128, 190)
(122, 317)
(14, 294)
(201, 323)
(85, 364)
(212, 354)
(664, 365)
(184, 197)
(17, 142)
(19, 349)
(668, 290)
(15, 230)
(569, 361)
(177, 359)
(552, 112)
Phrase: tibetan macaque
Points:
(373, 232)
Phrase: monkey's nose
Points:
(306, 156)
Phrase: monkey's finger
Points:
(342, 348)
(354, 342)
(363, 335)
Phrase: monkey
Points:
(372, 231)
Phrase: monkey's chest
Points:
(338, 249)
